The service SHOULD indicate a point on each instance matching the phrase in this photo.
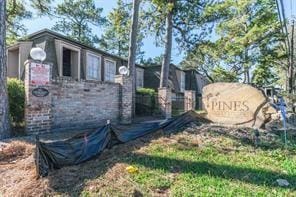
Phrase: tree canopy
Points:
(75, 18)
(115, 38)
(248, 39)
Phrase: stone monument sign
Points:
(235, 104)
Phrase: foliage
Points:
(222, 75)
(19, 10)
(16, 12)
(152, 61)
(75, 18)
(116, 35)
(146, 91)
(16, 98)
(248, 36)
(188, 28)
(264, 75)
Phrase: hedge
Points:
(16, 98)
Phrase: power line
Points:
(287, 46)
(285, 25)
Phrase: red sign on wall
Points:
(40, 74)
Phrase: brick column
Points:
(126, 98)
(165, 101)
(38, 114)
(189, 100)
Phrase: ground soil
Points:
(18, 176)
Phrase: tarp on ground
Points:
(85, 146)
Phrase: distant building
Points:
(179, 80)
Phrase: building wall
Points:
(201, 82)
(83, 104)
(13, 63)
(139, 77)
(152, 78)
(47, 42)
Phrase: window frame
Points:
(142, 77)
(60, 44)
(99, 69)
(182, 82)
(110, 60)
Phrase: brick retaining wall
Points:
(83, 104)
(73, 104)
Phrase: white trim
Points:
(86, 64)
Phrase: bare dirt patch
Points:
(15, 150)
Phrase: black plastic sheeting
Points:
(85, 146)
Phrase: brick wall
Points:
(72, 104)
(38, 114)
(83, 104)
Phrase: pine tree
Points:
(4, 114)
(174, 20)
(133, 48)
(248, 41)
(115, 39)
(16, 12)
(248, 30)
(75, 18)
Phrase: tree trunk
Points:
(4, 115)
(165, 68)
(133, 48)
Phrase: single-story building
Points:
(69, 58)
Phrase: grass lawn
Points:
(199, 161)
(207, 162)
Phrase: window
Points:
(93, 67)
(182, 82)
(140, 78)
(68, 59)
(110, 70)
(67, 62)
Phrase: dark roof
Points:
(157, 65)
(58, 35)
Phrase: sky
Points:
(149, 47)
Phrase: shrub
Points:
(16, 98)
(146, 91)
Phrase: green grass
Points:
(208, 162)
(221, 166)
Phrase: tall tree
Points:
(133, 48)
(247, 39)
(4, 114)
(206, 60)
(75, 18)
(246, 29)
(174, 20)
(115, 38)
(165, 67)
(16, 12)
(19, 10)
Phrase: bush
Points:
(16, 98)
(146, 91)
